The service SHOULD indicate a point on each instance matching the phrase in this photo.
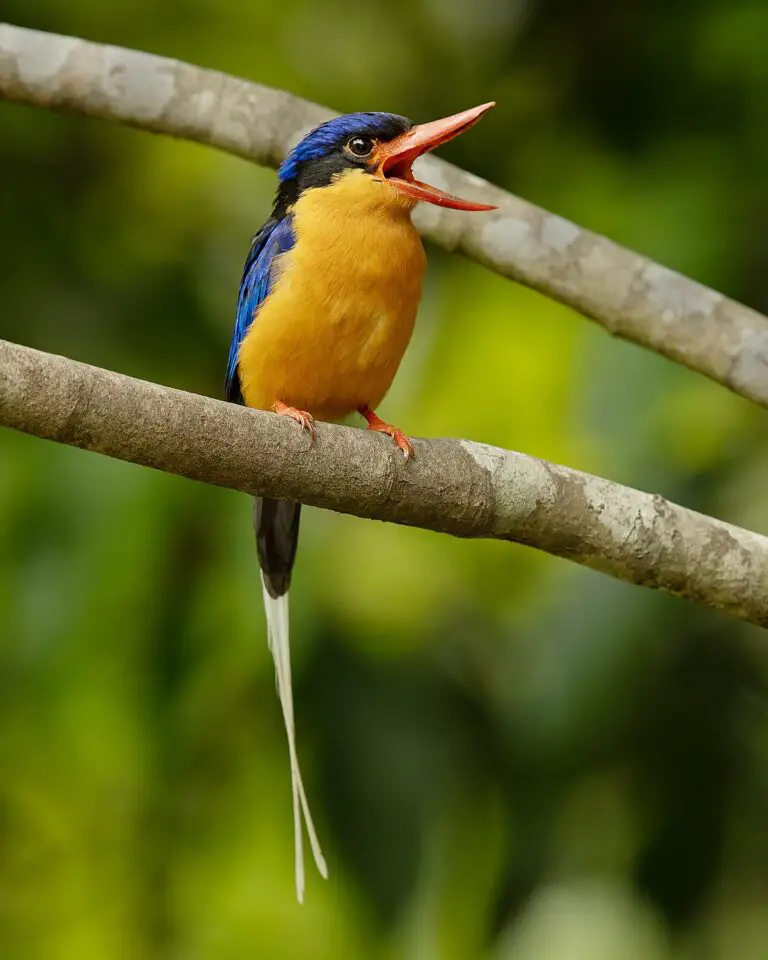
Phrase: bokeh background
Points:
(508, 757)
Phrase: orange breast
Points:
(334, 329)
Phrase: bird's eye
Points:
(360, 146)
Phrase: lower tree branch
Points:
(454, 486)
(629, 295)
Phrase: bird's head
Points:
(382, 146)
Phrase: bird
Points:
(325, 310)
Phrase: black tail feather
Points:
(276, 525)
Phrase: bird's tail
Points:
(276, 523)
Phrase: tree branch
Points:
(454, 486)
(629, 295)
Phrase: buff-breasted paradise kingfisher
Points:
(327, 304)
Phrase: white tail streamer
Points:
(279, 644)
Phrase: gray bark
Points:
(453, 486)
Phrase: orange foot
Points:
(374, 423)
(305, 420)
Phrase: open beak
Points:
(396, 157)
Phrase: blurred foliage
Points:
(508, 757)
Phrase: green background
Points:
(508, 757)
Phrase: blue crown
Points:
(328, 136)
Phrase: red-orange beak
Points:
(396, 157)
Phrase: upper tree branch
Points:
(627, 294)
(453, 486)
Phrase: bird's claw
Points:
(400, 439)
(305, 420)
(376, 424)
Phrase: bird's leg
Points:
(377, 424)
(305, 420)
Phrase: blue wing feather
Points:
(276, 237)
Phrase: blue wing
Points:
(276, 237)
